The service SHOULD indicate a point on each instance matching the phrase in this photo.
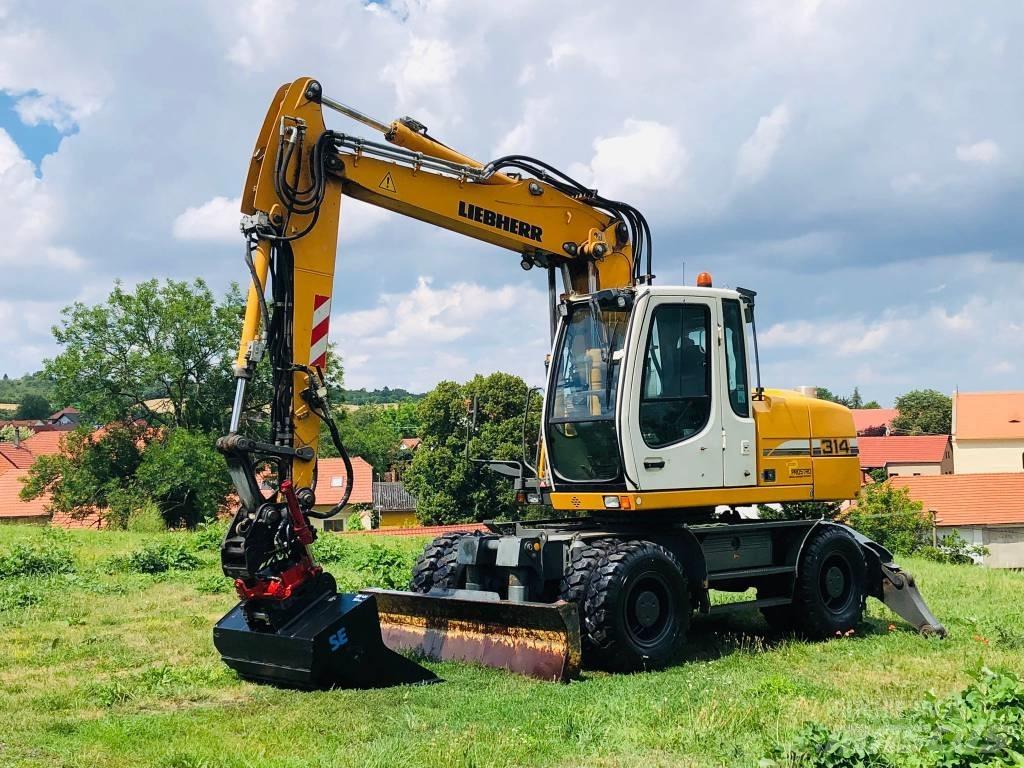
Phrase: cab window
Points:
(735, 358)
(675, 398)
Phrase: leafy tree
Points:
(448, 486)
(8, 432)
(799, 510)
(90, 473)
(924, 411)
(184, 475)
(888, 515)
(13, 390)
(170, 340)
(872, 404)
(33, 406)
(368, 432)
(378, 396)
(124, 468)
(854, 400)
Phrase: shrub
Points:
(954, 549)
(815, 746)
(49, 556)
(354, 522)
(981, 725)
(209, 535)
(158, 557)
(384, 567)
(889, 516)
(329, 548)
(146, 519)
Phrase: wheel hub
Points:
(835, 582)
(648, 608)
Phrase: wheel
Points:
(828, 597)
(583, 564)
(637, 608)
(437, 567)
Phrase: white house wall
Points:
(972, 457)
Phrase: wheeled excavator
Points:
(653, 433)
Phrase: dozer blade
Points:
(334, 642)
(539, 640)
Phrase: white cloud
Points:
(215, 220)
(757, 152)
(30, 216)
(645, 158)
(411, 339)
(980, 153)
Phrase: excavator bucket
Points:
(539, 640)
(334, 642)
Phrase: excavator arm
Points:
(292, 207)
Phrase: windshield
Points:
(582, 441)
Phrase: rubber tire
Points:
(811, 616)
(583, 565)
(436, 566)
(604, 626)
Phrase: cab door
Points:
(739, 439)
(673, 414)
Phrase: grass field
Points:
(102, 667)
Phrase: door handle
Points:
(654, 463)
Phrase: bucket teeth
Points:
(539, 640)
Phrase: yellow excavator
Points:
(652, 435)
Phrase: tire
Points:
(829, 594)
(436, 566)
(637, 608)
(583, 565)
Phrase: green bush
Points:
(384, 567)
(981, 725)
(330, 548)
(815, 746)
(955, 550)
(158, 557)
(146, 519)
(889, 516)
(49, 556)
(209, 535)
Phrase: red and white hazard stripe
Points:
(318, 336)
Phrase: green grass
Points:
(103, 667)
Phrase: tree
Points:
(871, 404)
(184, 475)
(799, 510)
(170, 341)
(923, 411)
(448, 486)
(121, 469)
(888, 515)
(9, 432)
(370, 433)
(33, 406)
(855, 400)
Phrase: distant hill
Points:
(13, 390)
(377, 396)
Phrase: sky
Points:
(859, 164)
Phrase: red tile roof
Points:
(988, 415)
(17, 456)
(330, 481)
(986, 499)
(917, 449)
(11, 505)
(45, 443)
(865, 419)
(23, 455)
(410, 443)
(428, 530)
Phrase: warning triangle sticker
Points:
(387, 183)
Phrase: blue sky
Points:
(861, 165)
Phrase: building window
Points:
(675, 396)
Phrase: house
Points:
(873, 421)
(393, 506)
(12, 508)
(69, 415)
(330, 487)
(988, 432)
(985, 509)
(409, 444)
(906, 454)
